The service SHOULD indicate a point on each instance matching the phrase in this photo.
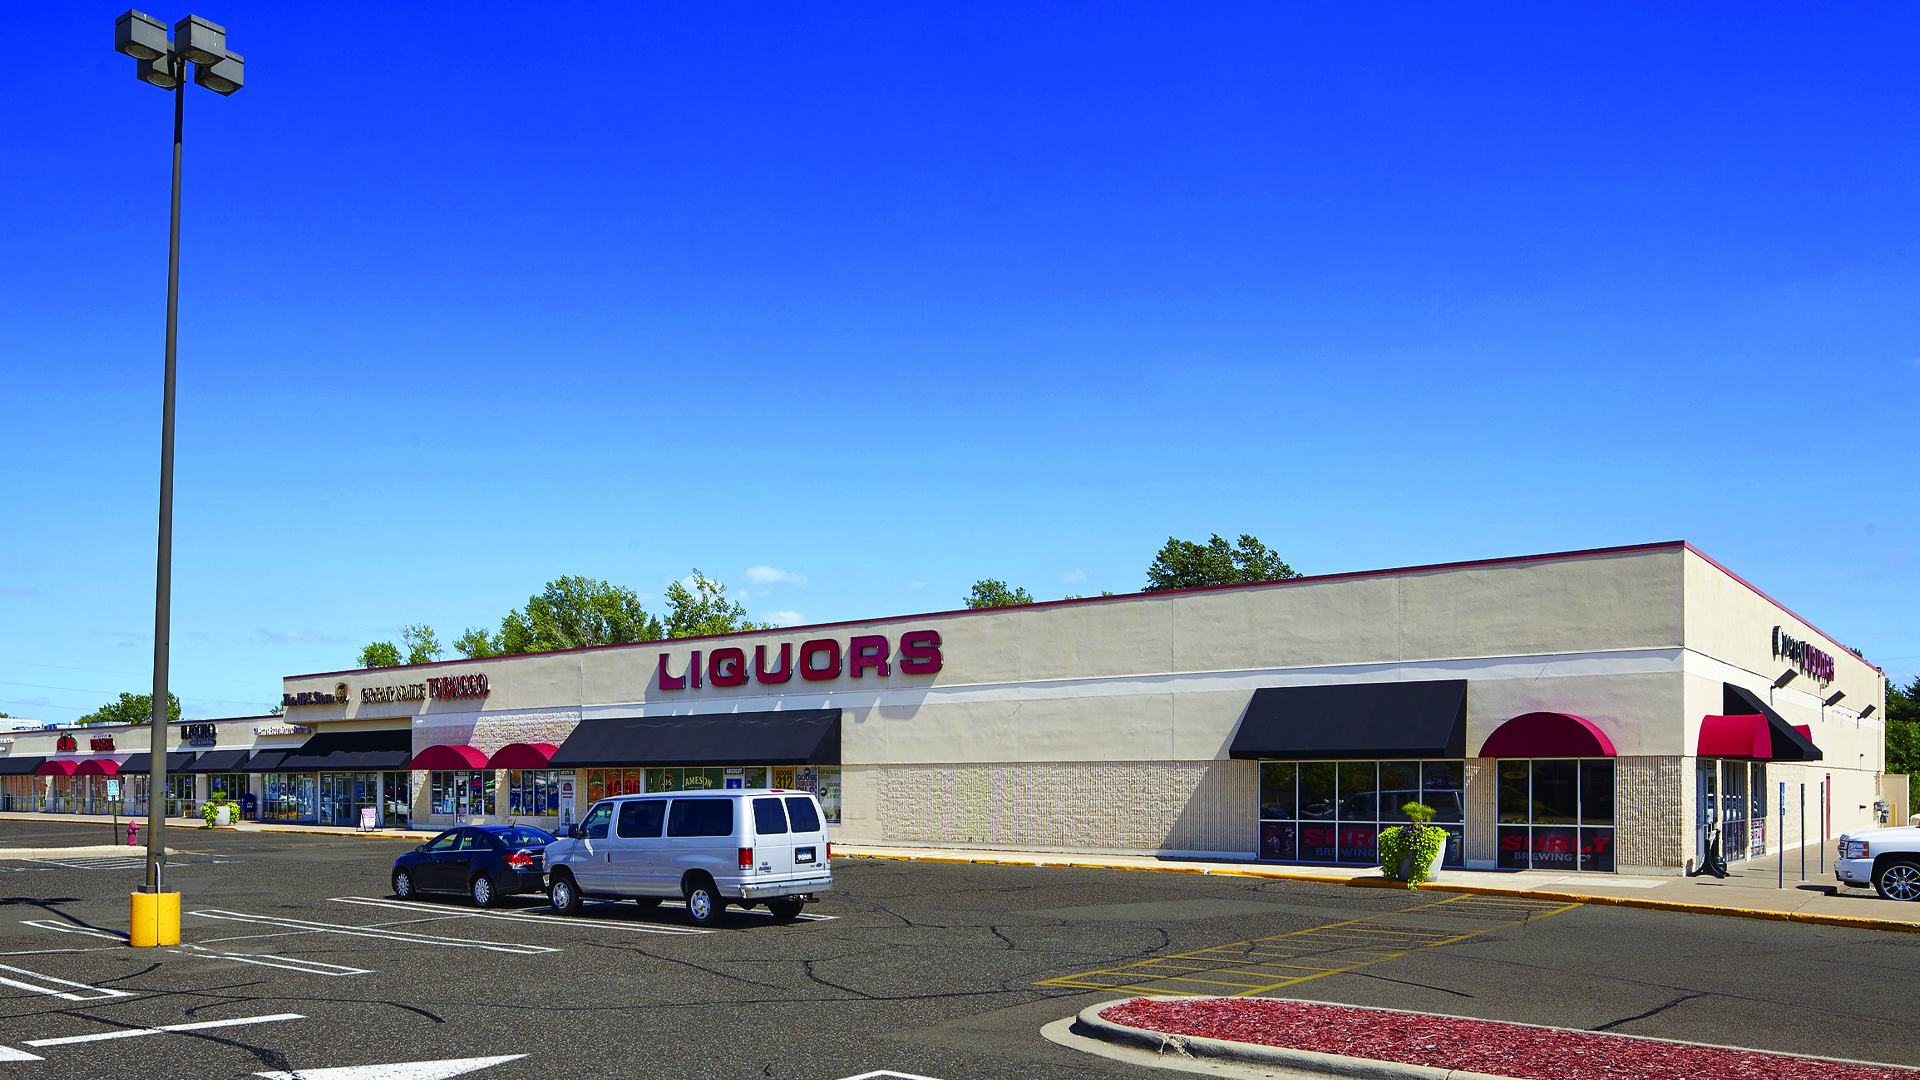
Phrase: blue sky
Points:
(890, 299)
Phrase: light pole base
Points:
(156, 919)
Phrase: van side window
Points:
(641, 818)
(595, 825)
(768, 818)
(700, 817)
(804, 817)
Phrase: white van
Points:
(711, 848)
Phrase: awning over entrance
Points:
(522, 755)
(20, 766)
(1359, 721)
(265, 761)
(1746, 736)
(214, 761)
(449, 757)
(1547, 735)
(98, 767)
(796, 737)
(1790, 743)
(351, 751)
(57, 767)
(143, 763)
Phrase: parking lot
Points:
(295, 956)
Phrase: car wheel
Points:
(403, 884)
(1898, 880)
(564, 894)
(484, 892)
(705, 905)
(784, 910)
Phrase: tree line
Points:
(1181, 564)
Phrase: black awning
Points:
(218, 761)
(796, 737)
(176, 762)
(1355, 721)
(1788, 743)
(351, 751)
(265, 761)
(19, 766)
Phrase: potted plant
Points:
(1408, 853)
(217, 811)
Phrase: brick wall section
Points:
(1647, 829)
(1209, 806)
(1483, 782)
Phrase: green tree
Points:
(1183, 564)
(705, 609)
(570, 613)
(380, 654)
(131, 709)
(991, 593)
(422, 646)
(1903, 737)
(476, 643)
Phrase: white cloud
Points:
(916, 584)
(784, 618)
(1074, 576)
(766, 575)
(300, 637)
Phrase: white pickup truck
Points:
(1887, 859)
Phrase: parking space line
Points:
(884, 1075)
(95, 993)
(287, 963)
(508, 916)
(308, 926)
(69, 928)
(129, 1033)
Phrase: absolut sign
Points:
(1804, 656)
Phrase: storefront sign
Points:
(820, 660)
(283, 729)
(101, 742)
(199, 734)
(411, 692)
(458, 686)
(1804, 656)
(338, 697)
(66, 744)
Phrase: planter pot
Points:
(1404, 871)
(223, 816)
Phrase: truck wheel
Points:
(705, 905)
(564, 894)
(1898, 880)
(784, 910)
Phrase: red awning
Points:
(1736, 736)
(1547, 735)
(97, 767)
(449, 757)
(1805, 729)
(522, 755)
(56, 767)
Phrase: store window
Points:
(286, 796)
(1555, 814)
(1333, 811)
(23, 793)
(343, 797)
(461, 794)
(823, 782)
(533, 792)
(180, 800)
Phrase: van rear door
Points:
(808, 835)
(772, 839)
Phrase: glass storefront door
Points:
(1733, 810)
(344, 795)
(397, 795)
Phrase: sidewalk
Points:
(1750, 891)
(196, 824)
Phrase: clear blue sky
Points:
(891, 299)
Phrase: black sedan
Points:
(485, 862)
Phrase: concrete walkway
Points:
(186, 826)
(1752, 890)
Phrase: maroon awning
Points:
(1736, 736)
(97, 767)
(461, 758)
(1547, 735)
(56, 767)
(522, 755)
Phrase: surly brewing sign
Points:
(1812, 661)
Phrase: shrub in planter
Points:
(1409, 852)
(210, 810)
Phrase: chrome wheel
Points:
(1900, 881)
(483, 894)
(563, 896)
(403, 884)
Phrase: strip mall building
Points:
(1597, 710)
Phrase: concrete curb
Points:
(82, 851)
(1849, 921)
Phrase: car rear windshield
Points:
(800, 808)
(700, 817)
(526, 837)
(642, 819)
(768, 818)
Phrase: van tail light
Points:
(520, 860)
(829, 851)
(746, 858)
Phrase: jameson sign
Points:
(1800, 654)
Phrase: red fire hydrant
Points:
(133, 829)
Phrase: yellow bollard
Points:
(156, 919)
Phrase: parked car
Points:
(486, 862)
(712, 849)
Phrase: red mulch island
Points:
(1486, 1046)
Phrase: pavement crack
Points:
(1611, 1024)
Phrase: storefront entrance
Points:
(1731, 793)
(344, 795)
(286, 797)
(1555, 814)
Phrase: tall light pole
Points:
(163, 63)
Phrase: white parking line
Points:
(287, 963)
(884, 1075)
(94, 993)
(129, 1033)
(508, 916)
(401, 1070)
(308, 926)
(69, 928)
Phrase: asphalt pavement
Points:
(297, 958)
